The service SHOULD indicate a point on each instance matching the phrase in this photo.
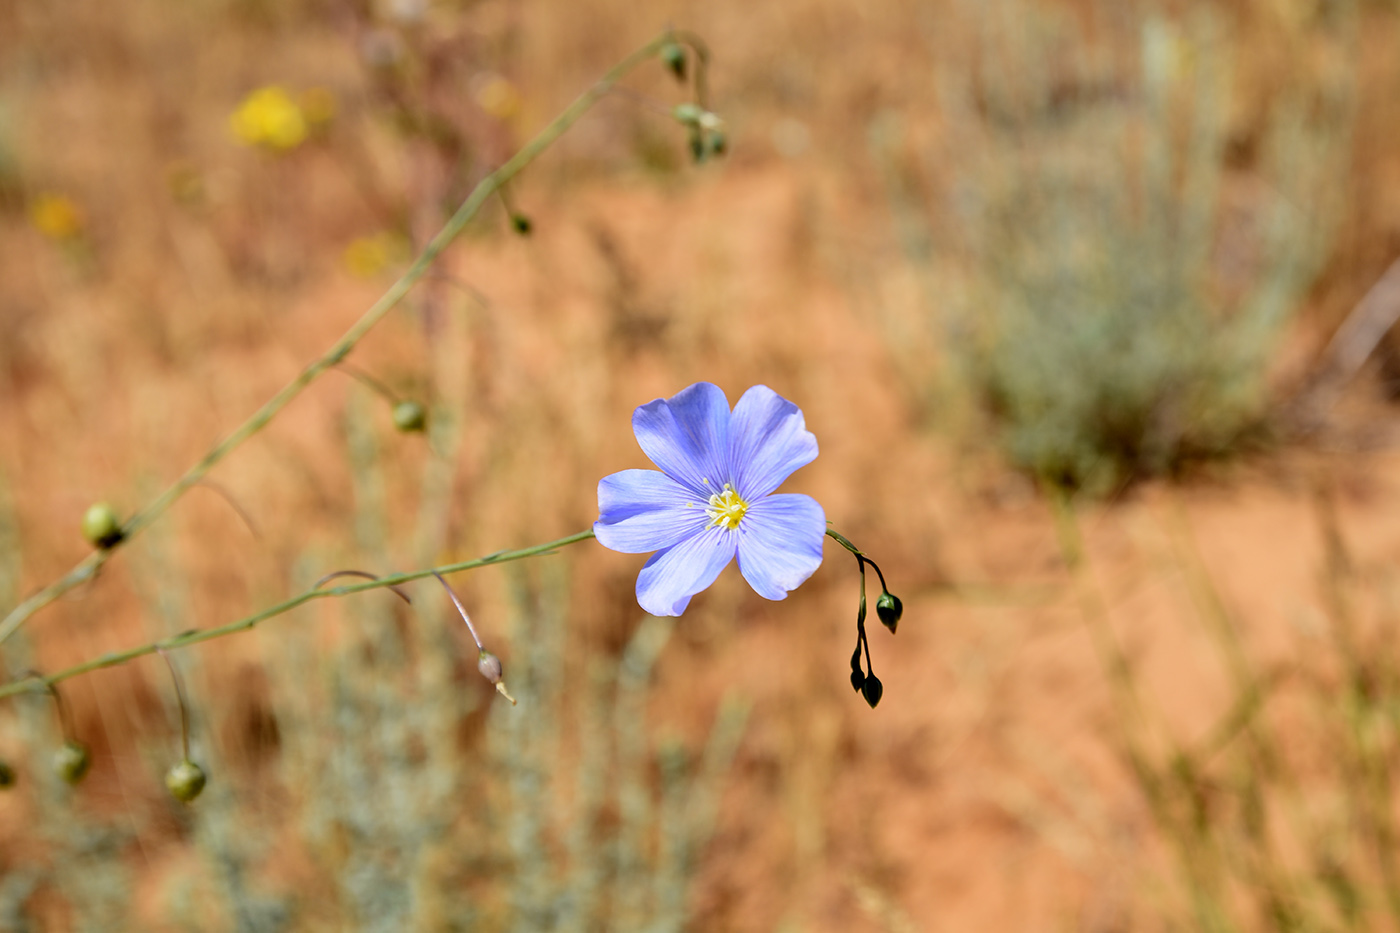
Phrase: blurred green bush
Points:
(1130, 242)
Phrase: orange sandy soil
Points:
(985, 792)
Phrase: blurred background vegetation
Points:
(1051, 282)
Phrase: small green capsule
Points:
(688, 114)
(71, 762)
(673, 56)
(185, 781)
(101, 527)
(716, 143)
(7, 776)
(521, 224)
(409, 416)
(889, 609)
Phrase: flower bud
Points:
(872, 690)
(688, 114)
(889, 609)
(71, 762)
(7, 776)
(857, 679)
(521, 224)
(673, 55)
(716, 143)
(409, 416)
(490, 667)
(101, 527)
(185, 781)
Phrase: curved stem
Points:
(375, 385)
(36, 681)
(86, 568)
(180, 698)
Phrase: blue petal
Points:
(643, 510)
(687, 436)
(768, 440)
(672, 576)
(780, 543)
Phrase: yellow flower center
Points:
(726, 508)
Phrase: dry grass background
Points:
(985, 793)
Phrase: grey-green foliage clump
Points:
(1126, 290)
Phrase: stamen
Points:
(726, 508)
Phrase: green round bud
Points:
(185, 781)
(521, 224)
(889, 609)
(7, 776)
(409, 416)
(872, 690)
(71, 762)
(688, 114)
(101, 527)
(673, 55)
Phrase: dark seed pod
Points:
(889, 609)
(101, 527)
(872, 690)
(409, 416)
(673, 55)
(185, 781)
(71, 762)
(7, 776)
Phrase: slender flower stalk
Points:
(36, 681)
(88, 567)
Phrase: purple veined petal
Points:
(670, 577)
(687, 436)
(780, 543)
(768, 440)
(644, 510)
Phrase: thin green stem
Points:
(87, 568)
(37, 681)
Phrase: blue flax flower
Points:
(712, 498)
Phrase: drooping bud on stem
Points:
(487, 664)
(889, 609)
(185, 780)
(71, 761)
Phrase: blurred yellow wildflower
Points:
(56, 216)
(367, 256)
(269, 117)
(497, 96)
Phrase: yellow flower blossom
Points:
(269, 117)
(56, 216)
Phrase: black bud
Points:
(857, 679)
(185, 781)
(889, 609)
(409, 416)
(855, 658)
(7, 776)
(71, 762)
(674, 57)
(521, 224)
(872, 690)
(101, 526)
